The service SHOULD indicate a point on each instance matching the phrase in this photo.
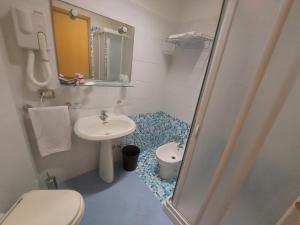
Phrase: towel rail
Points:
(28, 106)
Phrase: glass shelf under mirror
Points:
(99, 84)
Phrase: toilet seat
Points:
(47, 207)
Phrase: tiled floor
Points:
(148, 171)
(128, 201)
(154, 130)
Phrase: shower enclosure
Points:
(242, 165)
(110, 52)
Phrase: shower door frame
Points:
(227, 13)
(223, 31)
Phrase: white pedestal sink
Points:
(94, 129)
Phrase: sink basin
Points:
(92, 128)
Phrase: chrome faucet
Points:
(179, 142)
(103, 116)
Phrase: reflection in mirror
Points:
(91, 46)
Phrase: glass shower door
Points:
(113, 53)
(273, 183)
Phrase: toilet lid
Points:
(46, 207)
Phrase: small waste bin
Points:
(130, 157)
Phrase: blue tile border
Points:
(154, 130)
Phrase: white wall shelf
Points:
(188, 38)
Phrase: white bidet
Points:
(169, 156)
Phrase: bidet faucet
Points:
(180, 145)
(103, 116)
(179, 142)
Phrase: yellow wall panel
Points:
(72, 43)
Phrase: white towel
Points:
(183, 35)
(52, 129)
(168, 48)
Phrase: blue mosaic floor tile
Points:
(154, 130)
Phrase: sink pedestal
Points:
(106, 161)
(93, 129)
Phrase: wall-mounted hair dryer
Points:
(31, 33)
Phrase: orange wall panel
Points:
(72, 43)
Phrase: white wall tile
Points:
(155, 88)
(188, 63)
(148, 76)
(17, 170)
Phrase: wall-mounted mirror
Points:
(91, 45)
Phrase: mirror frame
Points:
(91, 82)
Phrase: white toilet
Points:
(46, 207)
(169, 156)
